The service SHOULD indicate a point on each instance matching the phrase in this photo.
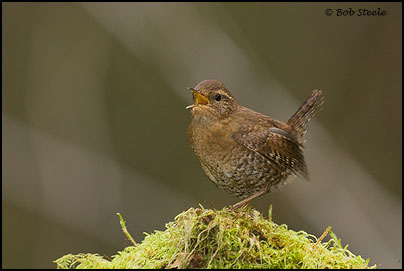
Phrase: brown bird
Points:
(243, 152)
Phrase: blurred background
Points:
(94, 119)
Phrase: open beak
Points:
(198, 98)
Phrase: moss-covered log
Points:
(205, 238)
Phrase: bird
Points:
(243, 152)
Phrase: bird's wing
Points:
(277, 145)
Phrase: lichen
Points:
(206, 238)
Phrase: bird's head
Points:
(212, 100)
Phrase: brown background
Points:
(94, 119)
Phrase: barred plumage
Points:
(243, 152)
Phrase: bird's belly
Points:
(231, 166)
(241, 172)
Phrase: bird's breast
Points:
(215, 149)
(209, 138)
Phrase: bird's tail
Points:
(307, 110)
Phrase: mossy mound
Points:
(205, 238)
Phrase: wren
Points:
(243, 152)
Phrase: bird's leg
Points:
(245, 201)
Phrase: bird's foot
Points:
(245, 201)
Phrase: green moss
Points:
(205, 238)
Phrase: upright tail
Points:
(307, 110)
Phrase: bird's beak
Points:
(198, 98)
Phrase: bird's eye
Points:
(218, 97)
